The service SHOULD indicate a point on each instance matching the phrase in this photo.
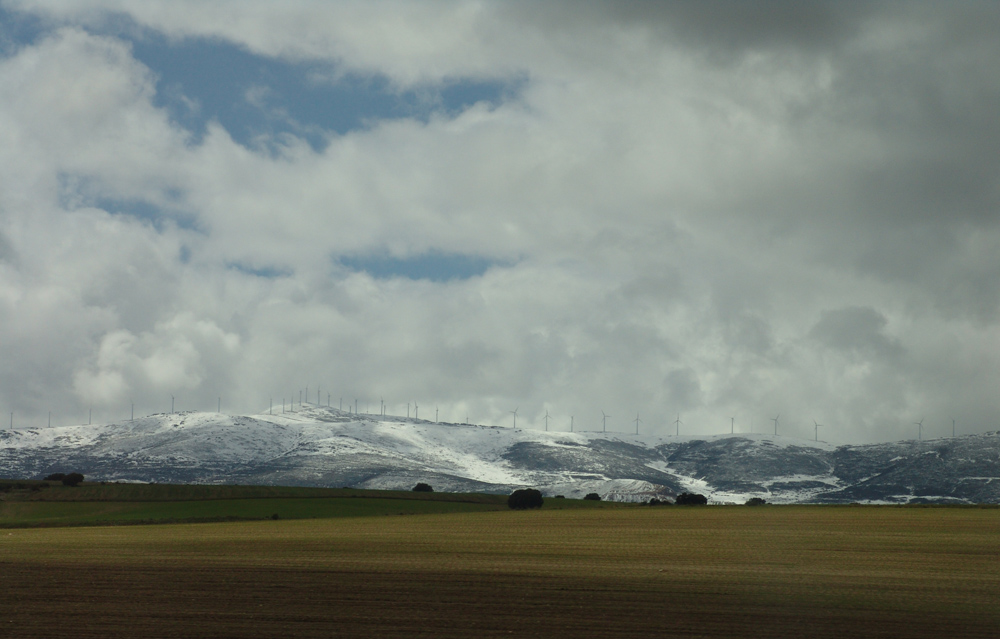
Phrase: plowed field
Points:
(653, 572)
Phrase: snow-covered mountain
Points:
(319, 446)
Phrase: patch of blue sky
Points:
(434, 266)
(267, 272)
(147, 211)
(256, 97)
(77, 192)
(18, 29)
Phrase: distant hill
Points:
(320, 446)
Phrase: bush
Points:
(660, 502)
(55, 477)
(423, 488)
(691, 499)
(72, 479)
(756, 501)
(525, 498)
(593, 497)
(560, 496)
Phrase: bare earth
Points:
(644, 572)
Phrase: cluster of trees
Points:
(695, 499)
(691, 499)
(423, 488)
(525, 498)
(68, 479)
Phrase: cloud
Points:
(711, 209)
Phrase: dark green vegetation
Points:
(691, 499)
(42, 503)
(525, 499)
(784, 571)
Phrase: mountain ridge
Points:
(321, 446)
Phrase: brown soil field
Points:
(638, 572)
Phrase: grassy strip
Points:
(21, 514)
(110, 504)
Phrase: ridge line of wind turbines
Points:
(416, 414)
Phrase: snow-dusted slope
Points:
(326, 447)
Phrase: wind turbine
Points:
(920, 428)
(952, 427)
(637, 420)
(817, 424)
(677, 424)
(514, 413)
(382, 403)
(732, 425)
(546, 420)
(416, 410)
(171, 404)
(775, 420)
(571, 423)
(605, 422)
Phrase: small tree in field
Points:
(593, 497)
(55, 477)
(72, 479)
(423, 488)
(756, 501)
(525, 498)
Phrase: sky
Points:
(718, 212)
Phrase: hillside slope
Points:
(320, 446)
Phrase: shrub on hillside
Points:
(423, 488)
(593, 497)
(525, 498)
(72, 479)
(55, 477)
(691, 499)
(756, 501)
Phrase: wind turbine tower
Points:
(920, 428)
(817, 425)
(677, 425)
(637, 421)
(775, 420)
(546, 420)
(514, 413)
(604, 420)
(732, 425)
